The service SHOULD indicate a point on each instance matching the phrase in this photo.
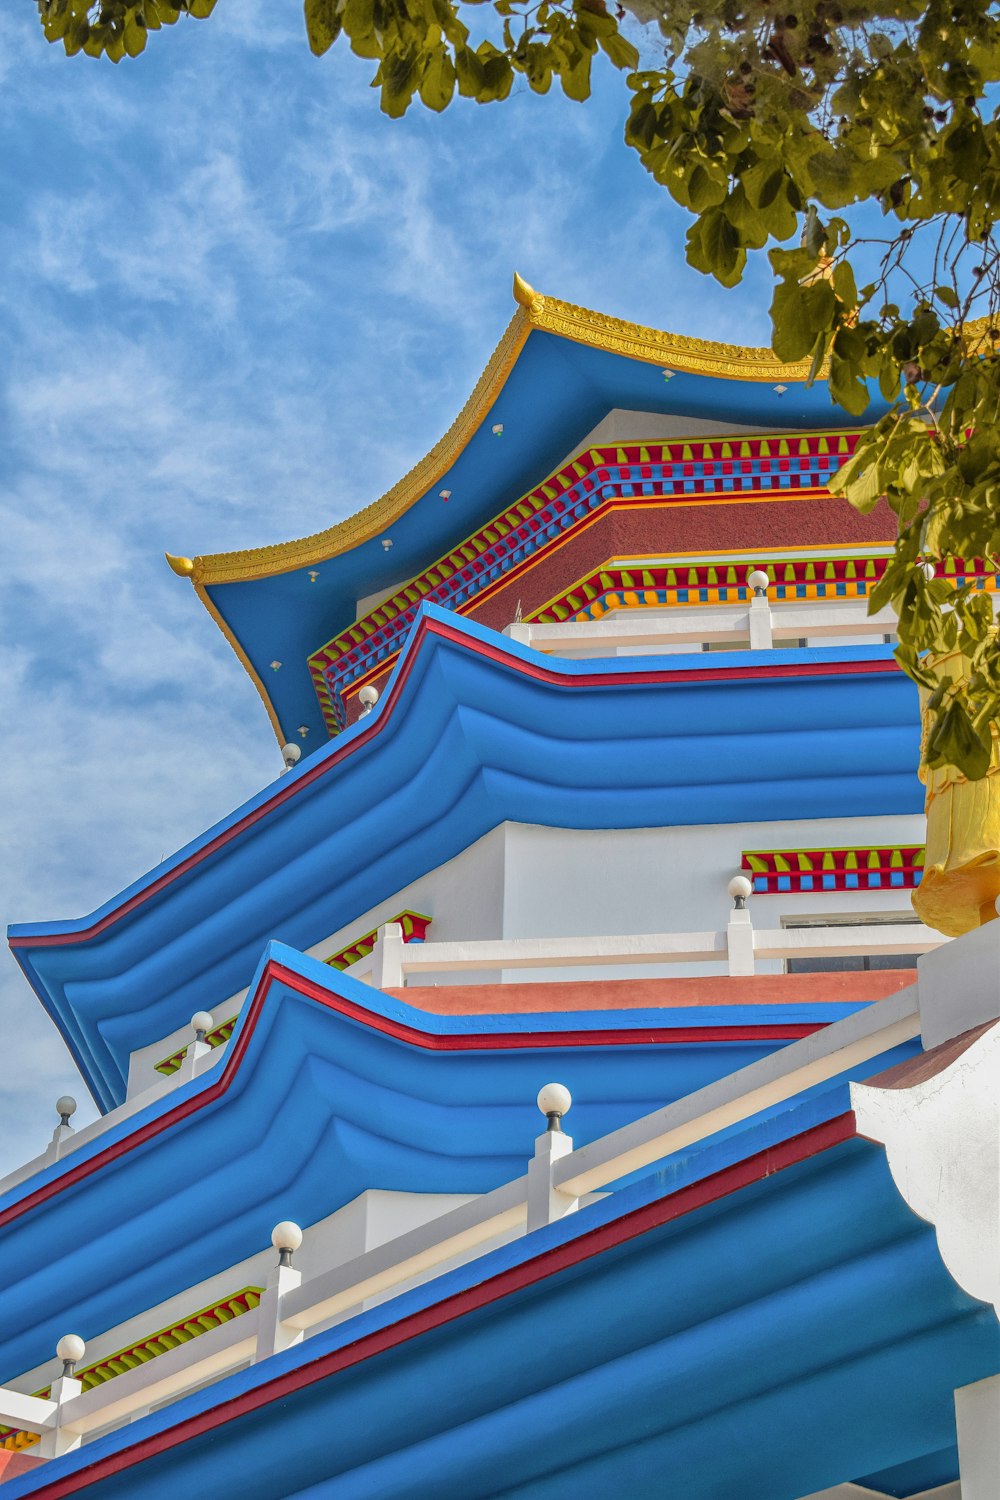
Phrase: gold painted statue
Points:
(961, 879)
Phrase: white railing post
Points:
(546, 1203)
(519, 631)
(201, 1023)
(65, 1108)
(760, 612)
(739, 930)
(387, 958)
(56, 1440)
(272, 1334)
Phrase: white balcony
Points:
(756, 625)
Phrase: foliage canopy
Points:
(769, 121)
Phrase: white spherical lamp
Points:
(70, 1349)
(291, 755)
(65, 1107)
(740, 887)
(368, 697)
(554, 1101)
(286, 1238)
(758, 581)
(201, 1022)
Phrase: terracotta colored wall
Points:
(634, 994)
(668, 530)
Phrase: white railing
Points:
(392, 964)
(557, 1178)
(758, 625)
(739, 945)
(66, 1139)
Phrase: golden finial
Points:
(182, 566)
(524, 295)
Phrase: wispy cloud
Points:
(237, 304)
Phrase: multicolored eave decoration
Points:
(542, 1086)
(554, 377)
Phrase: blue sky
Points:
(237, 304)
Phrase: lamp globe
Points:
(70, 1348)
(554, 1099)
(286, 1236)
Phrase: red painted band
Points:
(453, 1042)
(493, 653)
(562, 1257)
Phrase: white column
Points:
(760, 623)
(55, 1440)
(977, 1409)
(60, 1135)
(189, 1067)
(272, 1334)
(387, 958)
(547, 1203)
(739, 941)
(65, 1109)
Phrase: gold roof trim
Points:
(598, 331)
(676, 351)
(284, 557)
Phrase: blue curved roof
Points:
(328, 1088)
(762, 1318)
(554, 394)
(472, 730)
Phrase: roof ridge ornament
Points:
(525, 296)
(182, 566)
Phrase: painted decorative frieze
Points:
(414, 927)
(144, 1350)
(778, 870)
(547, 516)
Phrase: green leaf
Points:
(713, 245)
(323, 24)
(438, 82)
(619, 50)
(954, 742)
(846, 386)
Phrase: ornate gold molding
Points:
(675, 351)
(284, 557)
(534, 311)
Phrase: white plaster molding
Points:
(959, 985)
(942, 1140)
(977, 1414)
(852, 1491)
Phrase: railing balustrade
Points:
(756, 625)
(739, 946)
(558, 1177)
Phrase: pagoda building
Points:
(544, 1086)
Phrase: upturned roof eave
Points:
(138, 967)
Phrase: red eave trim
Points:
(536, 670)
(562, 1257)
(472, 1041)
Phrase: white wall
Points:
(565, 882)
(524, 880)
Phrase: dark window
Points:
(853, 963)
